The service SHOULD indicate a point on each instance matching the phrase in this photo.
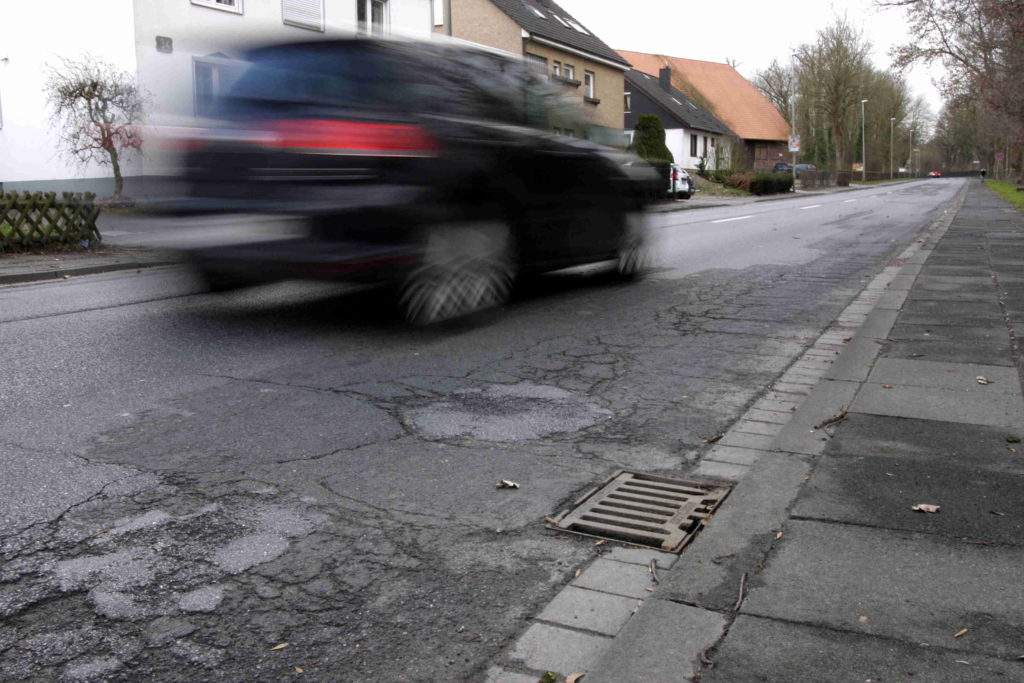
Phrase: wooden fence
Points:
(41, 219)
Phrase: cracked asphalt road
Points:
(191, 481)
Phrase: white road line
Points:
(812, 206)
(729, 220)
(847, 201)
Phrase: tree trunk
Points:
(118, 178)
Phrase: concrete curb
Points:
(62, 273)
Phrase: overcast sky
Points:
(751, 32)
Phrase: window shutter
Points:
(303, 13)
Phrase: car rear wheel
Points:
(634, 254)
(464, 268)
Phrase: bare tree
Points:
(981, 44)
(98, 109)
(835, 68)
(778, 83)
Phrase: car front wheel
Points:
(464, 268)
(634, 253)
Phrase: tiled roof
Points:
(734, 99)
(682, 108)
(541, 17)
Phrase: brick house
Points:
(734, 100)
(541, 31)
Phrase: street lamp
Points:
(863, 145)
(892, 124)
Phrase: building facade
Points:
(760, 133)
(575, 59)
(692, 133)
(180, 51)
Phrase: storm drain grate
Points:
(643, 509)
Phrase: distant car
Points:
(935, 174)
(783, 167)
(429, 167)
(680, 184)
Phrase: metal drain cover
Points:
(644, 509)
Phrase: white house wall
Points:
(674, 139)
(678, 142)
(34, 35)
(199, 32)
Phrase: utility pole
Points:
(892, 127)
(863, 145)
(792, 132)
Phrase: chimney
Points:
(665, 78)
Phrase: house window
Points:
(556, 69)
(693, 144)
(303, 13)
(372, 16)
(589, 85)
(627, 102)
(712, 143)
(206, 83)
(226, 5)
(212, 76)
(705, 146)
(569, 72)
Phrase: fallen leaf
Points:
(862, 619)
(961, 632)
(778, 536)
(507, 484)
(578, 572)
(714, 439)
(1012, 438)
(997, 514)
(648, 589)
(299, 670)
(846, 339)
(549, 677)
(962, 661)
(887, 386)
(573, 678)
(925, 507)
(279, 646)
(983, 380)
(601, 542)
(551, 520)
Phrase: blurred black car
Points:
(429, 166)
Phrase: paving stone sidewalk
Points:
(817, 567)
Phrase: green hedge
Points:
(756, 183)
(38, 219)
(771, 183)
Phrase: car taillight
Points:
(352, 137)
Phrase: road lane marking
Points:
(729, 220)
(812, 206)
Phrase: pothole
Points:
(506, 412)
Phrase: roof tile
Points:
(548, 26)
